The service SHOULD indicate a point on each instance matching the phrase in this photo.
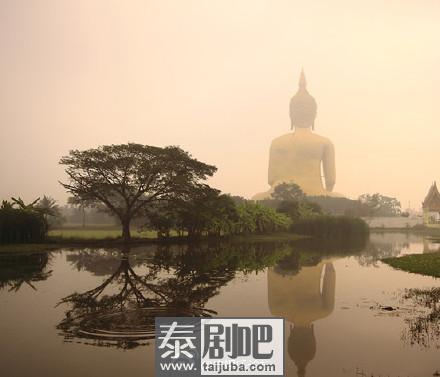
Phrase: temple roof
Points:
(432, 200)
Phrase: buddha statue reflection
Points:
(302, 299)
(301, 156)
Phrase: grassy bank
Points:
(94, 234)
(327, 228)
(425, 264)
(111, 237)
(80, 235)
(28, 248)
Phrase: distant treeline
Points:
(213, 214)
(367, 205)
(85, 216)
(309, 218)
(204, 212)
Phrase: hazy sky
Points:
(216, 77)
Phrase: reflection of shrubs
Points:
(333, 246)
(292, 263)
(177, 280)
(331, 227)
(17, 270)
(307, 252)
(289, 265)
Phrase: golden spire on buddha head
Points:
(302, 106)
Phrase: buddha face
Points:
(302, 110)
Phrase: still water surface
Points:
(89, 312)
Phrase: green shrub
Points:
(257, 218)
(330, 227)
(21, 225)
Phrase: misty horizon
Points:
(216, 80)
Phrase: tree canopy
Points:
(127, 178)
(288, 191)
(208, 212)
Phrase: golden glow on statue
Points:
(301, 156)
(302, 299)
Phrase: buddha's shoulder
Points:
(322, 139)
(292, 136)
(282, 139)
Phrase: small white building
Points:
(431, 207)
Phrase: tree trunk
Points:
(126, 230)
(83, 210)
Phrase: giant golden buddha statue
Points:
(300, 156)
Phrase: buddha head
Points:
(302, 106)
(301, 347)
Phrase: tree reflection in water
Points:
(178, 281)
(17, 270)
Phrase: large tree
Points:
(127, 178)
(288, 191)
